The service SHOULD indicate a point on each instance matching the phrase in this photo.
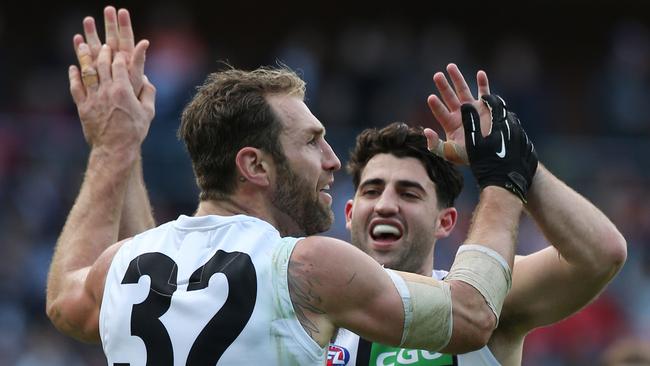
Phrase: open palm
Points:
(446, 110)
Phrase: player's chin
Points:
(383, 247)
(323, 220)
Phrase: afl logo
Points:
(337, 355)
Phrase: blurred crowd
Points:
(589, 119)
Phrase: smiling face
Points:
(303, 180)
(395, 216)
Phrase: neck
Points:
(426, 269)
(251, 206)
(223, 207)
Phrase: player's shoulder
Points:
(326, 257)
(318, 247)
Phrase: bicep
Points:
(371, 306)
(352, 290)
(545, 289)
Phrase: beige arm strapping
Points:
(485, 270)
(428, 319)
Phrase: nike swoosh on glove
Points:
(506, 157)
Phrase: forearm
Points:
(92, 224)
(481, 273)
(579, 231)
(496, 221)
(136, 212)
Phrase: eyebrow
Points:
(403, 183)
(410, 184)
(372, 182)
(319, 131)
(313, 131)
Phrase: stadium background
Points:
(579, 79)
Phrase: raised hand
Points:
(112, 116)
(447, 110)
(119, 37)
(91, 104)
(505, 157)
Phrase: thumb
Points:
(434, 143)
(447, 150)
(76, 87)
(148, 96)
(137, 65)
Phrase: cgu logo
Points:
(337, 356)
(407, 357)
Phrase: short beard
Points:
(293, 197)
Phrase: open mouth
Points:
(324, 192)
(385, 233)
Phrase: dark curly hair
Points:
(401, 141)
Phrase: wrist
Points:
(500, 195)
(512, 182)
(113, 159)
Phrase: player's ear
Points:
(348, 214)
(446, 222)
(253, 166)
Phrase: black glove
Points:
(506, 157)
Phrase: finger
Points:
(447, 94)
(438, 108)
(434, 142)
(447, 150)
(125, 31)
(88, 71)
(136, 67)
(460, 85)
(148, 96)
(77, 39)
(455, 153)
(104, 64)
(110, 23)
(471, 125)
(497, 107)
(92, 38)
(118, 68)
(76, 87)
(483, 84)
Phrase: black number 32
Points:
(224, 327)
